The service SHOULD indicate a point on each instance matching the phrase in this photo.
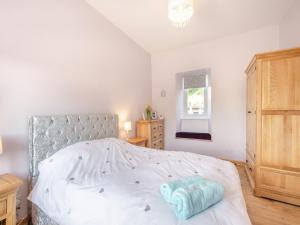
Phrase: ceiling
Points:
(146, 21)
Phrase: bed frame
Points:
(48, 134)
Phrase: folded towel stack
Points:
(191, 195)
(167, 189)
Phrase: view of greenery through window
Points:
(195, 101)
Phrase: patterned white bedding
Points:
(110, 182)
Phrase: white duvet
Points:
(110, 182)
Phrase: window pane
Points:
(195, 103)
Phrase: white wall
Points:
(228, 58)
(61, 56)
(197, 126)
(290, 27)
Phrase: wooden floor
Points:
(267, 212)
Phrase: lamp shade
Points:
(127, 126)
(1, 147)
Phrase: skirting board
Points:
(23, 221)
(236, 162)
(250, 179)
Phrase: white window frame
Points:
(207, 93)
(205, 115)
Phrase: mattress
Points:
(111, 182)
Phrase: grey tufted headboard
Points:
(48, 134)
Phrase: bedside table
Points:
(8, 189)
(138, 141)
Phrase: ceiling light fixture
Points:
(181, 12)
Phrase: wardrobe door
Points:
(281, 84)
(251, 115)
(280, 158)
(281, 142)
(251, 90)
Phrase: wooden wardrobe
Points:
(273, 125)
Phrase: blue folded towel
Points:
(195, 198)
(167, 189)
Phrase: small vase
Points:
(148, 115)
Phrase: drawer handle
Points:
(249, 112)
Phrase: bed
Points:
(98, 179)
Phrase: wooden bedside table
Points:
(8, 189)
(138, 141)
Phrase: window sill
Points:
(191, 135)
(195, 118)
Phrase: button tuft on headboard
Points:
(51, 133)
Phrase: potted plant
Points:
(148, 111)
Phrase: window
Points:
(193, 108)
(196, 96)
(195, 103)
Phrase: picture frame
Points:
(154, 116)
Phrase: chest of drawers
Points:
(154, 131)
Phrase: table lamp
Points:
(127, 127)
